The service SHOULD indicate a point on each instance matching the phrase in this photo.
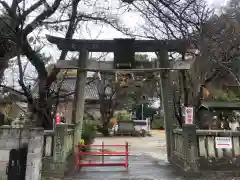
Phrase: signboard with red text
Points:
(188, 115)
(223, 142)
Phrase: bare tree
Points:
(106, 89)
(61, 15)
(174, 20)
(170, 19)
(7, 44)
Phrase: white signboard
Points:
(223, 142)
(188, 115)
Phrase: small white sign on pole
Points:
(223, 142)
(188, 115)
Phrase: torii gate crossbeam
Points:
(109, 45)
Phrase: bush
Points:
(123, 116)
(158, 122)
(225, 95)
(89, 132)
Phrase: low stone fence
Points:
(184, 148)
(58, 153)
(195, 150)
(219, 159)
(178, 151)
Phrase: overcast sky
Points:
(131, 20)
(96, 31)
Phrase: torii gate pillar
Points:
(167, 101)
(79, 101)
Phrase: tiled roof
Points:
(91, 90)
(221, 104)
(68, 86)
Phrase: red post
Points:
(103, 152)
(126, 160)
(77, 157)
(79, 154)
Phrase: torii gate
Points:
(124, 53)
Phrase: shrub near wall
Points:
(158, 122)
(89, 132)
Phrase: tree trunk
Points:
(106, 110)
(43, 107)
(44, 115)
(31, 115)
(104, 130)
(185, 88)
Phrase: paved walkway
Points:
(147, 162)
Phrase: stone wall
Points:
(58, 158)
(50, 154)
(14, 138)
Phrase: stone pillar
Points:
(59, 152)
(57, 165)
(167, 98)
(35, 151)
(190, 147)
(78, 105)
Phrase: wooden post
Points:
(78, 104)
(167, 101)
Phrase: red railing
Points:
(102, 153)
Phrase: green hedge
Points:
(157, 123)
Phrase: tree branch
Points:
(15, 5)
(11, 89)
(32, 8)
(21, 81)
(69, 34)
(6, 6)
(8, 9)
(35, 60)
(210, 78)
(39, 19)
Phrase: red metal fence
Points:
(103, 153)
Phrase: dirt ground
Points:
(153, 146)
(147, 161)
